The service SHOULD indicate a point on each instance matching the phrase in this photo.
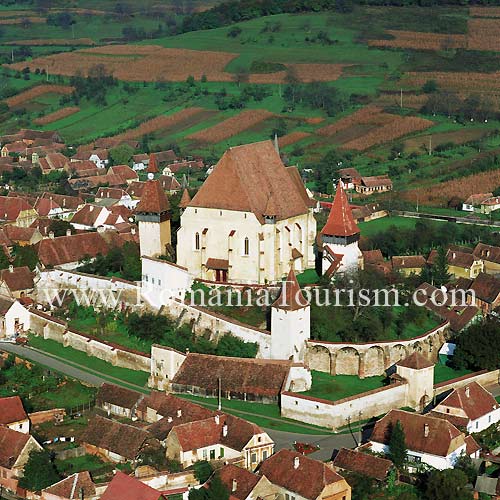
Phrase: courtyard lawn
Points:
(264, 415)
(443, 373)
(68, 395)
(89, 463)
(308, 277)
(383, 224)
(335, 387)
(115, 374)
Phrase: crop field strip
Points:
(56, 115)
(231, 126)
(53, 41)
(38, 90)
(292, 138)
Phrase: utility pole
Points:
(219, 405)
(401, 99)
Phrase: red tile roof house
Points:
(485, 292)
(100, 157)
(219, 438)
(116, 442)
(429, 440)
(114, 196)
(22, 235)
(123, 487)
(16, 282)
(71, 488)
(125, 172)
(118, 401)
(300, 477)
(471, 407)
(90, 217)
(15, 448)
(67, 252)
(13, 415)
(17, 210)
(245, 485)
(362, 463)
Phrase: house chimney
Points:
(217, 419)
(169, 419)
(454, 255)
(224, 430)
(91, 208)
(68, 232)
(296, 462)
(467, 392)
(51, 235)
(426, 430)
(11, 268)
(235, 486)
(179, 413)
(132, 230)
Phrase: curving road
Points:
(284, 440)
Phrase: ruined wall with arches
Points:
(370, 359)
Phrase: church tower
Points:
(153, 217)
(290, 321)
(339, 238)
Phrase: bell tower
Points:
(153, 218)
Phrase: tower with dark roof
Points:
(153, 217)
(339, 239)
(290, 321)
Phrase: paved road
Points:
(327, 443)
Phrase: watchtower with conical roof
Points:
(290, 321)
(339, 239)
(153, 217)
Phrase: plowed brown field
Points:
(421, 41)
(292, 138)
(57, 115)
(39, 90)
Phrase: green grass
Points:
(90, 363)
(264, 415)
(383, 224)
(335, 387)
(443, 373)
(72, 393)
(84, 463)
(308, 277)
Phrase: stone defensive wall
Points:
(202, 320)
(484, 378)
(373, 358)
(48, 327)
(335, 414)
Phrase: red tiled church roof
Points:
(340, 220)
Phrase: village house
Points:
(82, 168)
(90, 217)
(79, 485)
(14, 318)
(116, 442)
(169, 184)
(48, 208)
(123, 487)
(13, 414)
(373, 259)
(164, 408)
(377, 468)
(376, 184)
(429, 440)
(125, 172)
(106, 196)
(15, 448)
(69, 251)
(17, 211)
(474, 201)
(368, 212)
(140, 161)
(249, 221)
(462, 263)
(302, 478)
(471, 407)
(100, 157)
(16, 282)
(219, 438)
(456, 310)
(484, 292)
(95, 181)
(408, 264)
(245, 485)
(349, 177)
(118, 401)
(490, 205)
(490, 256)
(21, 236)
(53, 162)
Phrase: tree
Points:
(241, 75)
(449, 484)
(121, 155)
(474, 347)
(465, 464)
(429, 86)
(440, 272)
(397, 445)
(216, 491)
(202, 470)
(59, 227)
(25, 256)
(39, 471)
